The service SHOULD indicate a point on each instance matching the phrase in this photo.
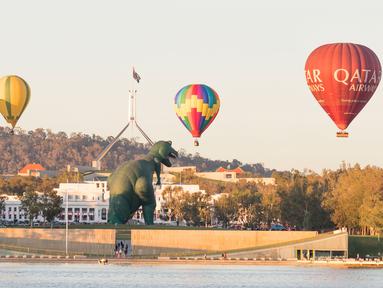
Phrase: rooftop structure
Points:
(237, 170)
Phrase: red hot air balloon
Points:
(342, 77)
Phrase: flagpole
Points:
(132, 120)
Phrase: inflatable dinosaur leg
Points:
(144, 190)
(119, 209)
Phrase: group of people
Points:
(121, 249)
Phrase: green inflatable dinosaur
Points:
(131, 184)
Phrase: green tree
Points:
(225, 209)
(2, 205)
(174, 197)
(270, 201)
(356, 199)
(196, 208)
(50, 205)
(31, 205)
(301, 196)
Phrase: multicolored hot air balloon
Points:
(343, 77)
(14, 98)
(196, 105)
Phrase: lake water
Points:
(14, 275)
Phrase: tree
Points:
(31, 205)
(270, 201)
(2, 205)
(225, 209)
(50, 205)
(173, 202)
(196, 208)
(356, 199)
(248, 201)
(301, 197)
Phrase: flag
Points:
(136, 76)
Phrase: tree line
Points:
(350, 197)
(56, 150)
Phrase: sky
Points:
(77, 57)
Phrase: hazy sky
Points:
(77, 57)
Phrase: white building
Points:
(88, 202)
(12, 211)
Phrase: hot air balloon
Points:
(196, 105)
(342, 77)
(14, 98)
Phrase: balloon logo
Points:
(343, 77)
(196, 105)
(14, 98)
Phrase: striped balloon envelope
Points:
(14, 98)
(196, 105)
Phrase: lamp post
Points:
(66, 224)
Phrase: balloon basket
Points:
(342, 134)
(196, 143)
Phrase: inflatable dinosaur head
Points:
(162, 151)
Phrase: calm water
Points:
(110, 276)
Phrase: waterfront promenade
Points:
(339, 263)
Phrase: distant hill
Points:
(55, 150)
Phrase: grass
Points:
(365, 245)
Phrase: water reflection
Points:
(96, 276)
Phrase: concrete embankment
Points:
(344, 263)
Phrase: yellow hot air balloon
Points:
(14, 98)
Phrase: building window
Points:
(228, 176)
(15, 209)
(76, 214)
(84, 215)
(70, 197)
(103, 214)
(91, 214)
(77, 197)
(84, 197)
(62, 214)
(70, 214)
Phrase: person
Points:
(126, 251)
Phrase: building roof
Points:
(236, 170)
(29, 167)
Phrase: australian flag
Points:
(136, 76)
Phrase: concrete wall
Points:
(167, 242)
(52, 241)
(334, 242)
